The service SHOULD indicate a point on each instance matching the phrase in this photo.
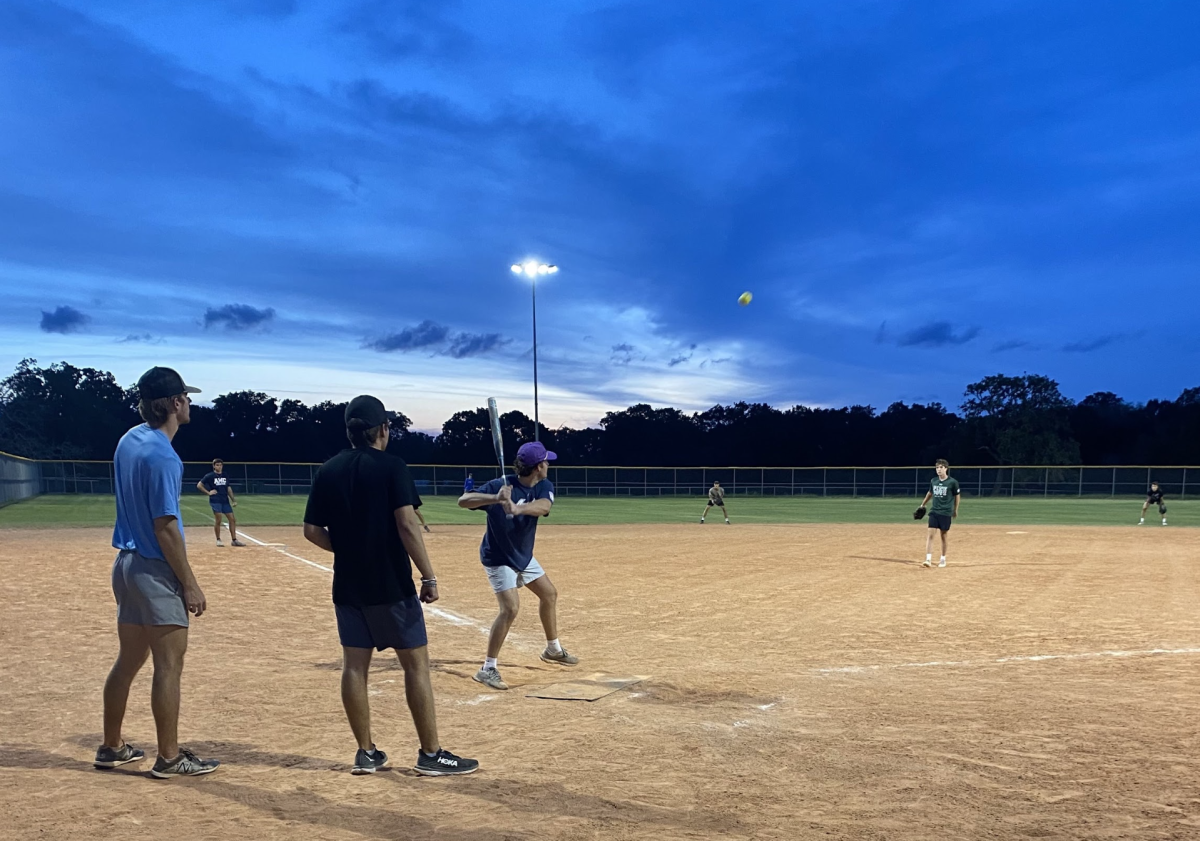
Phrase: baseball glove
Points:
(919, 514)
(1162, 509)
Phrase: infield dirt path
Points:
(803, 681)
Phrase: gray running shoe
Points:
(490, 677)
(369, 762)
(187, 764)
(562, 657)
(444, 764)
(219, 543)
(107, 757)
(236, 542)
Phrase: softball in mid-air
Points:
(745, 298)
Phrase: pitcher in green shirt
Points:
(944, 494)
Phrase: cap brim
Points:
(550, 456)
(190, 389)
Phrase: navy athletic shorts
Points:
(939, 521)
(220, 506)
(399, 625)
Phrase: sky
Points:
(319, 199)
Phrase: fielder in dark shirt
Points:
(1154, 496)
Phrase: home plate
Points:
(591, 688)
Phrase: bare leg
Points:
(418, 690)
(356, 663)
(944, 536)
(135, 648)
(929, 540)
(704, 513)
(725, 512)
(547, 595)
(217, 525)
(509, 605)
(168, 644)
(232, 526)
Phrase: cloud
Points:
(237, 317)
(474, 344)
(622, 354)
(937, 334)
(425, 334)
(142, 337)
(1012, 344)
(1093, 344)
(63, 320)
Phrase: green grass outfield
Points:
(85, 510)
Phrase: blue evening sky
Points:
(316, 199)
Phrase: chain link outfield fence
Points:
(21, 478)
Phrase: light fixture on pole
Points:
(532, 270)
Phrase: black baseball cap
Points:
(162, 382)
(367, 410)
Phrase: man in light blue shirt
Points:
(151, 577)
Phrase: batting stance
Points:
(944, 493)
(221, 499)
(1154, 496)
(362, 509)
(151, 577)
(514, 505)
(716, 499)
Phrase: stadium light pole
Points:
(532, 270)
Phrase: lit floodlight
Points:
(551, 269)
(531, 268)
(516, 269)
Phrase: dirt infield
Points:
(804, 681)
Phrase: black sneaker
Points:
(107, 757)
(369, 762)
(444, 764)
(187, 764)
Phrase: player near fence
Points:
(221, 499)
(151, 577)
(1154, 496)
(945, 495)
(514, 504)
(716, 499)
(362, 509)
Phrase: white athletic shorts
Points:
(507, 578)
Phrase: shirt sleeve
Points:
(492, 487)
(544, 490)
(956, 488)
(166, 479)
(402, 490)
(207, 481)
(316, 511)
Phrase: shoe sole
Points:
(546, 659)
(163, 775)
(117, 763)
(359, 771)
(503, 688)
(426, 772)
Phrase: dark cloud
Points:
(474, 344)
(142, 337)
(1093, 344)
(622, 354)
(237, 317)
(937, 334)
(425, 334)
(1012, 344)
(63, 320)
(414, 29)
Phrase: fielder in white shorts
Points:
(514, 505)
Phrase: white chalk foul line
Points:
(1031, 658)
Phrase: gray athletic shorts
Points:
(147, 591)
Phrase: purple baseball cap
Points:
(534, 453)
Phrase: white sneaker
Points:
(942, 562)
(219, 543)
(927, 563)
(1141, 522)
(1164, 522)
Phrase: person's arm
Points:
(170, 540)
(537, 508)
(232, 498)
(957, 499)
(410, 535)
(475, 500)
(200, 487)
(928, 497)
(318, 536)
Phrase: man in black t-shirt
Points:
(1154, 496)
(362, 509)
(221, 499)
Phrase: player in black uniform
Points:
(1154, 496)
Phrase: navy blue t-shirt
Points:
(510, 542)
(218, 482)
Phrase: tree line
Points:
(62, 411)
